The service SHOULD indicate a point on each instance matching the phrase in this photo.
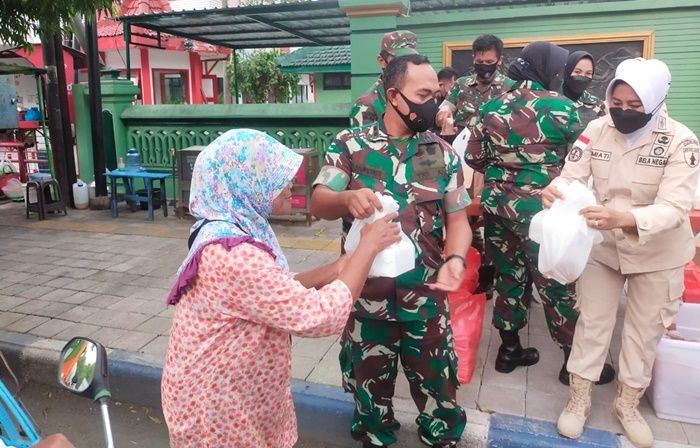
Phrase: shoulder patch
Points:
(575, 154)
(691, 152)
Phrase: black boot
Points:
(607, 375)
(512, 354)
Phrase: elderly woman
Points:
(226, 379)
(644, 169)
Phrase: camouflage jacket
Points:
(465, 98)
(424, 175)
(520, 143)
(589, 107)
(370, 106)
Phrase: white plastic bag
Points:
(696, 199)
(564, 237)
(395, 259)
(460, 145)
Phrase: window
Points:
(171, 86)
(336, 81)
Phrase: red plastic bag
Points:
(691, 293)
(467, 316)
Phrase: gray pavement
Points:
(88, 274)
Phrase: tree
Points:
(23, 18)
(259, 79)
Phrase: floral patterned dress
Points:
(226, 380)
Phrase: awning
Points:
(283, 25)
(15, 69)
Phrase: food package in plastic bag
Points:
(394, 260)
(466, 318)
(564, 237)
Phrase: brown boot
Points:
(625, 408)
(573, 417)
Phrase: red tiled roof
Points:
(107, 27)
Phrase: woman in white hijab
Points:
(644, 170)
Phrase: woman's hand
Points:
(603, 218)
(550, 194)
(381, 234)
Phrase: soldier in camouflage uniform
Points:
(578, 75)
(462, 106)
(520, 143)
(371, 105)
(407, 317)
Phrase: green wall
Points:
(675, 24)
(330, 96)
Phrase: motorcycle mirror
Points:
(83, 368)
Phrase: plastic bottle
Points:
(134, 162)
(81, 197)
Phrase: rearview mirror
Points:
(83, 368)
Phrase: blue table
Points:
(128, 178)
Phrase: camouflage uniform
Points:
(464, 101)
(465, 98)
(589, 107)
(520, 143)
(401, 317)
(371, 105)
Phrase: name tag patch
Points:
(659, 162)
(600, 155)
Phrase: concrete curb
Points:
(323, 412)
(509, 431)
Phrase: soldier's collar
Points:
(497, 81)
(377, 133)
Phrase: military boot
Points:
(606, 375)
(512, 354)
(578, 408)
(626, 409)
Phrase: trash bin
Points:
(155, 195)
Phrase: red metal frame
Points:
(161, 72)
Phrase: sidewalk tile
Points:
(311, 347)
(150, 293)
(602, 418)
(34, 292)
(78, 298)
(502, 399)
(693, 433)
(102, 300)
(132, 341)
(79, 313)
(402, 388)
(157, 325)
(42, 308)
(7, 318)
(302, 366)
(26, 323)
(39, 279)
(57, 295)
(117, 319)
(468, 394)
(9, 302)
(666, 430)
(158, 346)
(168, 312)
(108, 335)
(51, 328)
(326, 372)
(152, 307)
(77, 273)
(16, 289)
(17, 276)
(542, 406)
(81, 285)
(59, 282)
(77, 329)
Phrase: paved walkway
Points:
(88, 274)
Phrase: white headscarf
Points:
(650, 79)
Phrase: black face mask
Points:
(420, 116)
(485, 71)
(578, 84)
(628, 120)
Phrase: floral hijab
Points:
(234, 182)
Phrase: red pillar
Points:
(196, 78)
(147, 89)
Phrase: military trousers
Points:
(369, 358)
(653, 299)
(515, 257)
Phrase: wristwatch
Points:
(450, 257)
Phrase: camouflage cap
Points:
(399, 43)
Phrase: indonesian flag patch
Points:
(577, 150)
